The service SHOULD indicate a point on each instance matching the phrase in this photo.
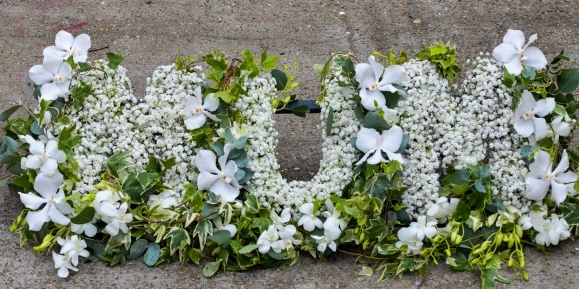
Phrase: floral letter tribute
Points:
(410, 172)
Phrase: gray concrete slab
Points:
(150, 33)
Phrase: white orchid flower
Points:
(286, 234)
(198, 109)
(561, 128)
(541, 177)
(62, 263)
(105, 196)
(52, 196)
(442, 208)
(280, 220)
(67, 45)
(72, 248)
(423, 228)
(309, 221)
(116, 218)
(525, 121)
(44, 157)
(269, 240)
(164, 200)
(219, 181)
(551, 231)
(514, 52)
(390, 115)
(327, 240)
(370, 141)
(408, 237)
(54, 76)
(535, 215)
(374, 79)
(333, 221)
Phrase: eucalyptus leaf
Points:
(329, 122)
(7, 113)
(152, 254)
(301, 110)
(137, 249)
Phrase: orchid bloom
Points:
(408, 237)
(551, 231)
(52, 196)
(327, 240)
(164, 200)
(54, 76)
(442, 208)
(116, 219)
(219, 181)
(227, 227)
(197, 109)
(541, 177)
(374, 79)
(72, 248)
(423, 228)
(89, 228)
(333, 221)
(390, 115)
(370, 141)
(269, 240)
(286, 234)
(67, 45)
(62, 263)
(309, 220)
(525, 121)
(514, 52)
(46, 158)
(561, 128)
(280, 220)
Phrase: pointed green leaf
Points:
(568, 80)
(329, 122)
(85, 216)
(280, 79)
(221, 237)
(114, 60)
(211, 268)
(179, 239)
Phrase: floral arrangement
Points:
(410, 172)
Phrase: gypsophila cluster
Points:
(335, 171)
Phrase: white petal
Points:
(536, 189)
(392, 138)
(514, 66)
(541, 127)
(542, 239)
(64, 40)
(205, 161)
(63, 272)
(90, 230)
(307, 208)
(109, 210)
(394, 156)
(393, 74)
(81, 45)
(365, 75)
(191, 104)
(534, 58)
(36, 219)
(50, 91)
(505, 52)
(195, 121)
(32, 201)
(53, 50)
(49, 168)
(39, 75)
(227, 192)
(47, 186)
(563, 164)
(112, 228)
(376, 67)
(558, 192)
(515, 38)
(524, 127)
(544, 106)
(57, 217)
(371, 96)
(231, 228)
(366, 139)
(376, 158)
(210, 103)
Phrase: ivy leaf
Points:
(568, 80)
(7, 113)
(377, 186)
(152, 254)
(489, 276)
(225, 96)
(79, 93)
(85, 216)
(366, 271)
(508, 78)
(179, 239)
(280, 79)
(459, 262)
(137, 249)
(114, 60)
(195, 255)
(348, 67)
(204, 228)
(248, 249)
(268, 62)
(248, 63)
(221, 237)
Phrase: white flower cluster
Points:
(105, 123)
(335, 170)
(459, 131)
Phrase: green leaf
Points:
(204, 228)
(240, 142)
(348, 67)
(248, 249)
(248, 63)
(211, 268)
(116, 163)
(79, 93)
(179, 239)
(301, 110)
(403, 144)
(280, 79)
(70, 61)
(329, 122)
(568, 80)
(378, 186)
(12, 145)
(137, 249)
(508, 79)
(7, 113)
(225, 96)
(479, 186)
(221, 237)
(489, 276)
(459, 262)
(195, 255)
(152, 254)
(373, 120)
(252, 204)
(146, 179)
(366, 271)
(85, 216)
(268, 62)
(261, 223)
(529, 73)
(114, 60)
(275, 255)
(36, 129)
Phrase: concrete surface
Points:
(149, 33)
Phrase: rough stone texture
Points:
(150, 33)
